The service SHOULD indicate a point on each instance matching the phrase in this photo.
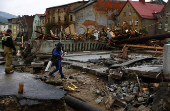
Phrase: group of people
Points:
(8, 46)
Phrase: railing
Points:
(69, 45)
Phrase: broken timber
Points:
(140, 46)
(142, 39)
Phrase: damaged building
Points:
(85, 17)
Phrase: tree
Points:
(143, 31)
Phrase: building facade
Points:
(36, 24)
(139, 14)
(162, 26)
(4, 26)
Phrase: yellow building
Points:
(139, 14)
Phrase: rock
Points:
(114, 94)
(142, 108)
(135, 89)
(124, 89)
(140, 99)
(99, 99)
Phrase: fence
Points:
(69, 45)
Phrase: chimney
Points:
(143, 1)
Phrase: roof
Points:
(114, 4)
(3, 32)
(29, 20)
(39, 15)
(146, 10)
(67, 4)
(83, 6)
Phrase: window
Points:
(124, 14)
(166, 25)
(167, 14)
(130, 13)
(59, 10)
(118, 23)
(65, 18)
(71, 18)
(160, 26)
(127, 5)
(64, 9)
(160, 16)
(130, 22)
(48, 12)
(53, 11)
(4, 26)
(136, 22)
(124, 22)
(48, 20)
(43, 21)
(35, 21)
(58, 18)
(53, 19)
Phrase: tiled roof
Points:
(146, 10)
(115, 4)
(3, 32)
(29, 20)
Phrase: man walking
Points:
(8, 45)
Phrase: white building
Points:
(4, 27)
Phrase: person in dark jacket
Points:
(8, 45)
(57, 62)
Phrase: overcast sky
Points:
(31, 7)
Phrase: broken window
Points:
(130, 22)
(59, 10)
(124, 22)
(136, 22)
(166, 26)
(48, 12)
(58, 18)
(53, 19)
(71, 18)
(65, 18)
(53, 11)
(160, 26)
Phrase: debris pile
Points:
(127, 94)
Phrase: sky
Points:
(32, 7)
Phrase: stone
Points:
(135, 89)
(142, 108)
(124, 89)
(114, 94)
(99, 99)
(140, 99)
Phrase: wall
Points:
(15, 28)
(4, 27)
(151, 29)
(163, 18)
(134, 16)
(93, 17)
(36, 23)
(69, 45)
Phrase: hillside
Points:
(5, 16)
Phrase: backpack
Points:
(54, 59)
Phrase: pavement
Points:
(33, 89)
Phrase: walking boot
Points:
(63, 77)
(51, 74)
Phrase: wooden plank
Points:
(141, 46)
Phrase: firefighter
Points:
(8, 45)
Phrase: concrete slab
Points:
(130, 62)
(33, 89)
